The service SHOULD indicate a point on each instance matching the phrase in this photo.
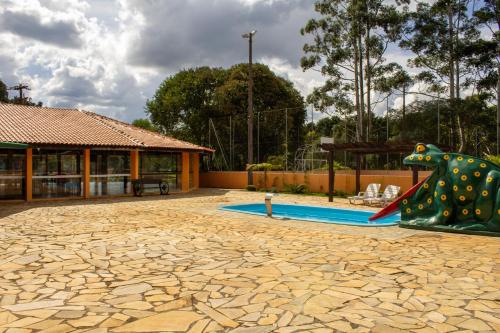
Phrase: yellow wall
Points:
(345, 181)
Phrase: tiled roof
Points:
(54, 126)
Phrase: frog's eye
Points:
(420, 148)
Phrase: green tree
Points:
(349, 42)
(145, 124)
(4, 96)
(208, 106)
(445, 39)
(185, 101)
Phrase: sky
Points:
(109, 56)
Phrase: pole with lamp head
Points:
(250, 35)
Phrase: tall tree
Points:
(350, 39)
(440, 33)
(484, 56)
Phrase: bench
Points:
(139, 185)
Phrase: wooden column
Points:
(28, 179)
(331, 176)
(86, 173)
(185, 172)
(358, 173)
(414, 170)
(134, 164)
(196, 170)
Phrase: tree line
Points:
(453, 45)
(453, 51)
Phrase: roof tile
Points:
(54, 126)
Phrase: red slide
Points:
(393, 206)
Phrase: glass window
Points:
(12, 172)
(109, 172)
(162, 165)
(57, 173)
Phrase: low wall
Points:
(345, 180)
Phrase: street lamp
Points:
(249, 35)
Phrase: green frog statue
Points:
(462, 193)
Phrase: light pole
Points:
(249, 35)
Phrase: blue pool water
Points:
(316, 214)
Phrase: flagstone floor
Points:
(176, 263)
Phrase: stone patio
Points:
(176, 263)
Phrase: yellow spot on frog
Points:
(427, 158)
(405, 201)
(435, 193)
(469, 188)
(446, 213)
(420, 157)
(498, 211)
(426, 185)
(460, 158)
(489, 179)
(462, 198)
(443, 197)
(484, 193)
(411, 157)
(478, 211)
(420, 206)
(482, 165)
(477, 174)
(446, 157)
(429, 201)
(465, 211)
(455, 188)
(408, 210)
(442, 183)
(455, 171)
(470, 160)
(463, 177)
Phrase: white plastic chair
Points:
(390, 193)
(370, 192)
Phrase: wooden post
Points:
(185, 171)
(196, 170)
(358, 174)
(86, 173)
(414, 170)
(134, 164)
(331, 176)
(28, 176)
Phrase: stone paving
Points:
(176, 263)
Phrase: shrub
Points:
(251, 188)
(296, 188)
(260, 167)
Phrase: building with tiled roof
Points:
(55, 152)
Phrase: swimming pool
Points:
(316, 214)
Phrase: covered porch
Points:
(32, 172)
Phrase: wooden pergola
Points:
(365, 148)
